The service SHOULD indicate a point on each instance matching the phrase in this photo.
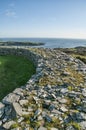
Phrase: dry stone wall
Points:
(20, 52)
(53, 99)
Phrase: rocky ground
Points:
(53, 99)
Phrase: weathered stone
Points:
(84, 92)
(23, 102)
(0, 123)
(42, 128)
(20, 119)
(83, 125)
(30, 109)
(40, 118)
(84, 107)
(48, 119)
(11, 98)
(81, 116)
(4, 119)
(25, 113)
(63, 109)
(7, 125)
(51, 107)
(19, 91)
(64, 90)
(63, 101)
(70, 128)
(28, 128)
(17, 108)
(8, 110)
(38, 112)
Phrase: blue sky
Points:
(43, 18)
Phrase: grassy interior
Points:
(14, 72)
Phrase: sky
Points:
(43, 18)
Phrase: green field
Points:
(14, 72)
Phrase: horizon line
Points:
(48, 37)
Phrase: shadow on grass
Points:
(15, 71)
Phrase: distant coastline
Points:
(17, 43)
(49, 42)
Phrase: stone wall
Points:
(53, 99)
(20, 52)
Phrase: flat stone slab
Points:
(11, 98)
(17, 108)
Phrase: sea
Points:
(51, 42)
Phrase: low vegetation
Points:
(14, 72)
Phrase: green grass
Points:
(14, 72)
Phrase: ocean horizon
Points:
(51, 42)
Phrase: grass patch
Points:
(14, 72)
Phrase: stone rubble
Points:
(53, 99)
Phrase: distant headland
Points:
(17, 43)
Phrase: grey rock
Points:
(70, 128)
(11, 98)
(5, 119)
(20, 119)
(30, 109)
(0, 123)
(64, 90)
(17, 108)
(63, 100)
(27, 128)
(42, 128)
(79, 116)
(19, 91)
(48, 119)
(83, 125)
(53, 95)
(8, 110)
(55, 111)
(7, 125)
(84, 92)
(38, 69)
(38, 112)
(40, 118)
(23, 102)
(84, 107)
(51, 107)
(63, 109)
(25, 113)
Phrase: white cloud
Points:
(10, 13)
